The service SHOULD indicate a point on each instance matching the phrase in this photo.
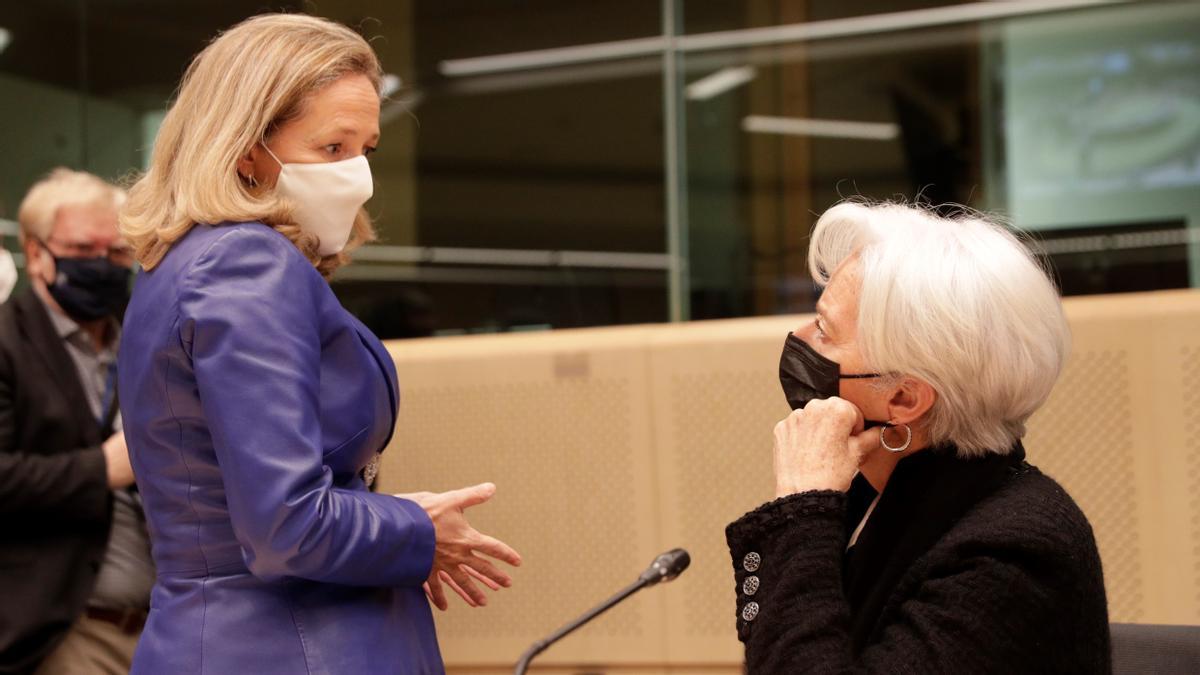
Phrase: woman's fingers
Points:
(459, 558)
(485, 568)
(428, 593)
(465, 585)
(496, 549)
(816, 448)
(437, 595)
(478, 575)
(446, 579)
(864, 442)
(465, 498)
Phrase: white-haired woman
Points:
(908, 533)
(255, 406)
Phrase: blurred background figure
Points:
(76, 572)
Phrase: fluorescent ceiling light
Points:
(719, 82)
(882, 23)
(5, 38)
(796, 126)
(732, 39)
(390, 85)
(600, 51)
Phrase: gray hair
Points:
(63, 187)
(958, 302)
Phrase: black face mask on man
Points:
(88, 289)
(806, 375)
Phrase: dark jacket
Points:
(55, 505)
(965, 566)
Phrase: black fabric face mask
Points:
(88, 289)
(806, 375)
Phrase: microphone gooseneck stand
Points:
(664, 568)
(541, 645)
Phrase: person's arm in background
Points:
(65, 487)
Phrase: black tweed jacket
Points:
(965, 566)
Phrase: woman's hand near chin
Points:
(820, 447)
(458, 554)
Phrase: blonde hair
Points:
(248, 82)
(63, 187)
(959, 302)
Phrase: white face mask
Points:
(327, 197)
(8, 274)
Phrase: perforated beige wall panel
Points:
(1175, 461)
(1190, 545)
(612, 445)
(560, 422)
(1119, 433)
(716, 398)
(1085, 438)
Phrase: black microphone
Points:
(664, 568)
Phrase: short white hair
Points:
(959, 302)
(63, 187)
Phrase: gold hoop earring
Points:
(883, 438)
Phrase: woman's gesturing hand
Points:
(456, 559)
(820, 447)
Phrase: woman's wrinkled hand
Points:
(458, 560)
(820, 447)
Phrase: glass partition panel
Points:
(562, 163)
(1079, 120)
(536, 174)
(507, 197)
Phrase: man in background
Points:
(75, 568)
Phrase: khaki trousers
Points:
(91, 647)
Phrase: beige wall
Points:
(612, 445)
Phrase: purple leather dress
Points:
(252, 401)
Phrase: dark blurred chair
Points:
(1147, 649)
